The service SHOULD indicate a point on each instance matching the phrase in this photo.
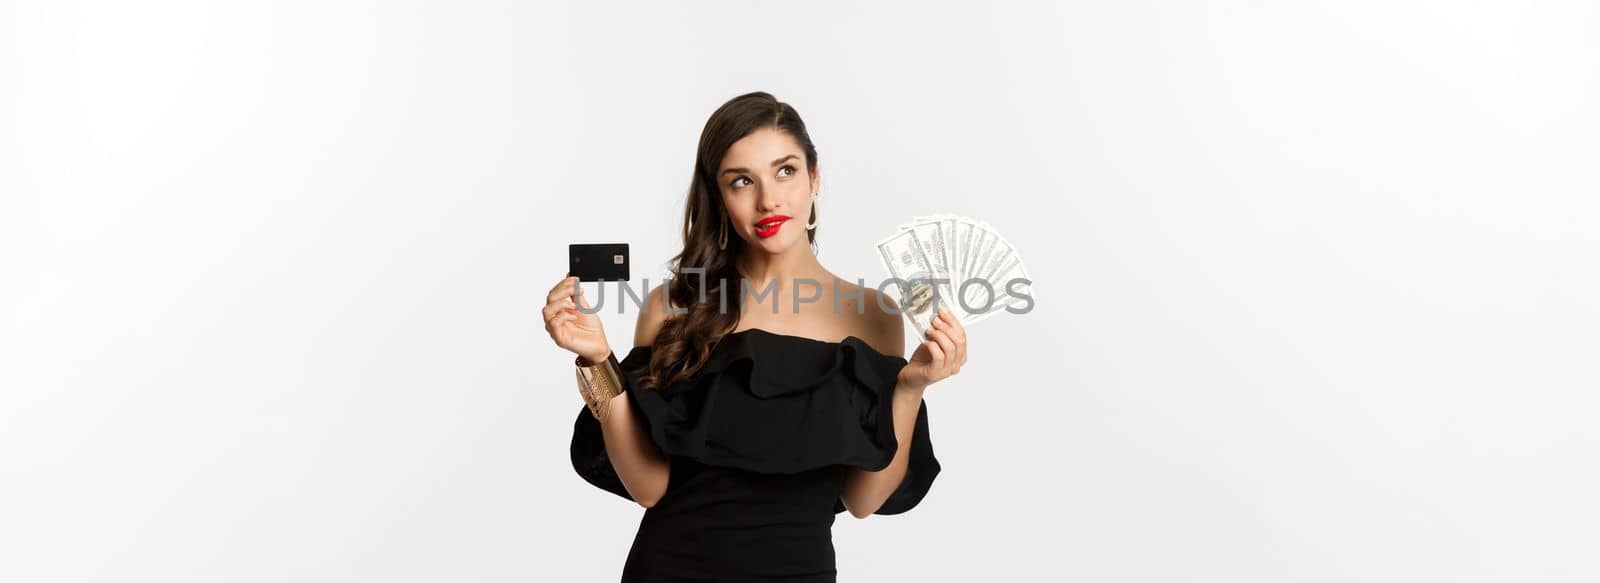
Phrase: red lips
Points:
(768, 226)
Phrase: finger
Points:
(563, 289)
(943, 339)
(581, 301)
(551, 309)
(957, 333)
(935, 354)
(936, 358)
(960, 337)
(957, 352)
(947, 345)
(560, 309)
(960, 359)
(559, 291)
(919, 354)
(561, 319)
(956, 330)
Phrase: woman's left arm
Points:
(937, 358)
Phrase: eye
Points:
(735, 182)
(786, 167)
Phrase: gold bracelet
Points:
(598, 383)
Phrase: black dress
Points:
(760, 439)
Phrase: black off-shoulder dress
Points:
(760, 439)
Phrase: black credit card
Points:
(598, 261)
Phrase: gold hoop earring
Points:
(722, 237)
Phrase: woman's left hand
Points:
(940, 355)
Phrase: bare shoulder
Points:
(651, 316)
(884, 331)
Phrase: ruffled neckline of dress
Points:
(775, 404)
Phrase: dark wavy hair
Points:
(685, 340)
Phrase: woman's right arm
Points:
(640, 465)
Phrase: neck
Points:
(798, 262)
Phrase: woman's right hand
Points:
(570, 327)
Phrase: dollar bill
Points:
(935, 249)
(965, 229)
(906, 259)
(947, 225)
(957, 262)
(947, 234)
(998, 289)
(978, 251)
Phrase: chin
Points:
(777, 243)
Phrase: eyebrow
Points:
(774, 163)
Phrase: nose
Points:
(768, 200)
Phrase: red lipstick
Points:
(768, 227)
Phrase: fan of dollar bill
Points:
(957, 262)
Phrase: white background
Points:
(1315, 283)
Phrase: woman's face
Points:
(763, 177)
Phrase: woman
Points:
(744, 421)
